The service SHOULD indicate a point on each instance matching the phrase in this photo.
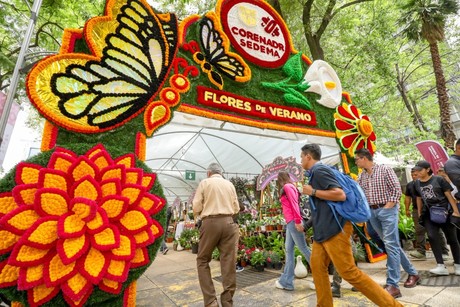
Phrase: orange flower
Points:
(353, 129)
(79, 222)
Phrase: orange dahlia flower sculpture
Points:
(80, 222)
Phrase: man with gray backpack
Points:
(332, 235)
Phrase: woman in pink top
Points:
(295, 236)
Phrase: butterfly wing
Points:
(214, 45)
(101, 93)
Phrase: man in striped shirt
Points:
(383, 191)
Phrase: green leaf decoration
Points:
(293, 68)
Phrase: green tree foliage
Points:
(426, 20)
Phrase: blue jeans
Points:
(385, 223)
(293, 238)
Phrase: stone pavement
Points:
(172, 281)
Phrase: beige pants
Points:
(220, 232)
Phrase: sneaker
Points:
(417, 255)
(312, 286)
(457, 269)
(165, 251)
(446, 257)
(239, 268)
(335, 289)
(440, 270)
(278, 285)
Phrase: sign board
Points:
(189, 175)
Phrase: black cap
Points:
(421, 165)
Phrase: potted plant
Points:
(258, 260)
(274, 260)
(194, 240)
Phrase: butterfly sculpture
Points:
(101, 91)
(214, 56)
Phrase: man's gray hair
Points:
(214, 168)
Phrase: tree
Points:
(426, 19)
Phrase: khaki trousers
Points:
(220, 232)
(338, 250)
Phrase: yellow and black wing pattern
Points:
(215, 58)
(133, 49)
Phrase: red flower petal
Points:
(141, 258)
(27, 173)
(125, 251)
(133, 192)
(135, 221)
(30, 277)
(118, 270)
(114, 172)
(51, 178)
(354, 110)
(343, 125)
(134, 176)
(344, 113)
(41, 294)
(51, 201)
(148, 180)
(84, 208)
(19, 220)
(24, 194)
(106, 239)
(94, 266)
(73, 248)
(7, 242)
(151, 203)
(349, 139)
(56, 272)
(42, 235)
(128, 160)
(8, 274)
(71, 226)
(61, 161)
(7, 203)
(110, 286)
(99, 222)
(115, 206)
(76, 287)
(24, 256)
(110, 187)
(83, 167)
(78, 302)
(86, 187)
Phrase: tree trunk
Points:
(447, 132)
(411, 106)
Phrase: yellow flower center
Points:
(364, 127)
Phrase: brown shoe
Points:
(394, 292)
(412, 281)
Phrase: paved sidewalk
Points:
(172, 281)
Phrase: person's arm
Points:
(334, 194)
(452, 202)
(407, 202)
(393, 186)
(197, 203)
(419, 205)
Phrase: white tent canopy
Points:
(191, 143)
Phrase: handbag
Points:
(438, 215)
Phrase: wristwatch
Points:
(313, 192)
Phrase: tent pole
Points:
(14, 80)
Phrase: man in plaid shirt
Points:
(383, 191)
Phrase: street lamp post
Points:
(14, 80)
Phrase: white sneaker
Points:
(312, 286)
(446, 257)
(440, 270)
(457, 269)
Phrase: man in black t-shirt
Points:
(331, 243)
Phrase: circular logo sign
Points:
(256, 31)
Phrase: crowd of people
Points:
(435, 211)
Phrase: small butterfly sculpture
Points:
(98, 92)
(214, 55)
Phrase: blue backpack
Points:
(355, 207)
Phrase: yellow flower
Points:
(79, 222)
